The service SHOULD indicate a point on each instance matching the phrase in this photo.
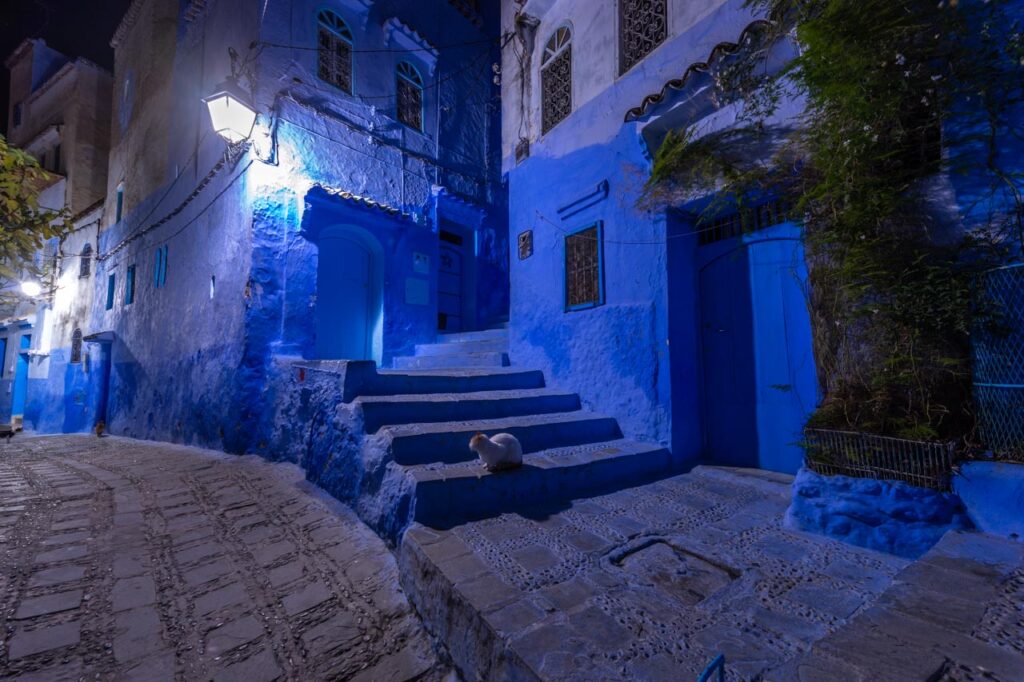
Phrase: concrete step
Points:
(412, 444)
(462, 347)
(387, 410)
(449, 493)
(484, 335)
(493, 359)
(389, 382)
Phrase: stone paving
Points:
(131, 560)
(651, 583)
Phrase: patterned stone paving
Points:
(129, 560)
(652, 582)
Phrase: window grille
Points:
(85, 262)
(335, 51)
(583, 269)
(556, 79)
(733, 225)
(643, 25)
(76, 346)
(410, 96)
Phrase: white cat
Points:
(501, 451)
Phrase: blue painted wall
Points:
(201, 368)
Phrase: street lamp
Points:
(31, 289)
(231, 112)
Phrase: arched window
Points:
(410, 95)
(76, 346)
(85, 262)
(556, 78)
(643, 25)
(335, 51)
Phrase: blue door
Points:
(345, 298)
(727, 346)
(21, 376)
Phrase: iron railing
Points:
(863, 455)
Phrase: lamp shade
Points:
(230, 112)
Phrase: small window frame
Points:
(334, 25)
(558, 47)
(111, 290)
(129, 285)
(76, 347)
(85, 262)
(406, 71)
(598, 227)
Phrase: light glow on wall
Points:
(31, 289)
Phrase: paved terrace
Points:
(131, 560)
(652, 582)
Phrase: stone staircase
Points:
(415, 422)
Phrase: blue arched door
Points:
(348, 297)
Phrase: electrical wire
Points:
(314, 48)
(657, 242)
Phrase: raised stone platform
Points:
(650, 582)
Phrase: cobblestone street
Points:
(133, 560)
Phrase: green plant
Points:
(899, 95)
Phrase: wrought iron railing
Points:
(863, 455)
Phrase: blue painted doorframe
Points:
(21, 376)
(759, 381)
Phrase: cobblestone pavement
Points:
(652, 582)
(130, 560)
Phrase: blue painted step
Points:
(383, 410)
(485, 335)
(465, 360)
(448, 442)
(447, 493)
(389, 382)
(462, 347)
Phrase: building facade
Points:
(366, 215)
(696, 337)
(60, 114)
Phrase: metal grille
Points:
(525, 244)
(556, 89)
(862, 455)
(583, 269)
(76, 346)
(734, 224)
(335, 60)
(643, 25)
(85, 263)
(410, 104)
(999, 363)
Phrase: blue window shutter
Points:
(129, 286)
(110, 291)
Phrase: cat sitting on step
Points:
(501, 451)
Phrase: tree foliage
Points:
(900, 96)
(25, 226)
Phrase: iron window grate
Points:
(583, 254)
(760, 217)
(643, 25)
(335, 51)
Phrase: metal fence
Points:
(999, 363)
(862, 455)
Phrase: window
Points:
(56, 159)
(643, 25)
(335, 51)
(17, 114)
(160, 267)
(119, 208)
(85, 262)
(730, 225)
(110, 291)
(129, 286)
(76, 347)
(583, 282)
(556, 79)
(410, 96)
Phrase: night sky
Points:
(78, 28)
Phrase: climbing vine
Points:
(903, 100)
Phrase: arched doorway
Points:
(349, 298)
